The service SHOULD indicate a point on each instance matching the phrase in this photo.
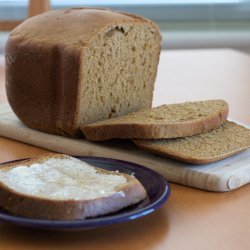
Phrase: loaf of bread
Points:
(60, 187)
(214, 145)
(167, 121)
(71, 67)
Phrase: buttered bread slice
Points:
(60, 187)
(166, 121)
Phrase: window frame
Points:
(169, 12)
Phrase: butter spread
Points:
(62, 179)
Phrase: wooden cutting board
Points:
(224, 175)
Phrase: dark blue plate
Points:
(156, 186)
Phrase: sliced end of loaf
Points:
(119, 70)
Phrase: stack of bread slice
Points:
(193, 132)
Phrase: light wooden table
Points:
(191, 219)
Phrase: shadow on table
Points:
(143, 233)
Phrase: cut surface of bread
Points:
(214, 145)
(60, 187)
(166, 121)
(70, 67)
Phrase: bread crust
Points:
(43, 65)
(142, 130)
(42, 208)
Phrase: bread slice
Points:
(217, 144)
(166, 121)
(60, 187)
(69, 67)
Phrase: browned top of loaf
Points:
(74, 27)
(166, 121)
(214, 145)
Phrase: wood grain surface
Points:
(192, 219)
